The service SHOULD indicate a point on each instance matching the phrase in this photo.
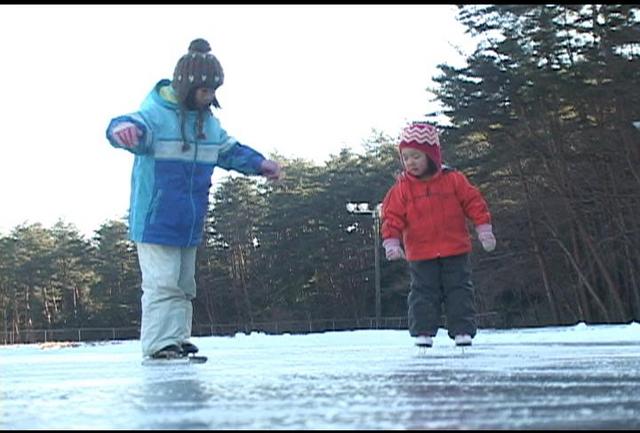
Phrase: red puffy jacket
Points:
(429, 216)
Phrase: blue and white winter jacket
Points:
(169, 185)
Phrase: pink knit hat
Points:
(422, 136)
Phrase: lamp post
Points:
(363, 208)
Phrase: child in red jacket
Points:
(426, 211)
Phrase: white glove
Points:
(486, 237)
(392, 249)
(126, 134)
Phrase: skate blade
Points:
(194, 359)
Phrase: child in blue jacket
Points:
(177, 142)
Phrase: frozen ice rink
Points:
(578, 377)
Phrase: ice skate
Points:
(423, 341)
(189, 348)
(463, 340)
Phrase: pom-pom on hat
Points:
(197, 68)
(422, 136)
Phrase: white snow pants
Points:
(168, 287)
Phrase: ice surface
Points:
(577, 377)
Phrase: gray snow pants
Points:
(168, 287)
(443, 280)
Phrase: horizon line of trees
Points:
(541, 121)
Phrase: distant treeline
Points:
(541, 120)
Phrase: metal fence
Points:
(29, 336)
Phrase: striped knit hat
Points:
(422, 136)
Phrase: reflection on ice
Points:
(579, 377)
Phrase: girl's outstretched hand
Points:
(271, 169)
(126, 134)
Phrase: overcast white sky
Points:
(303, 80)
